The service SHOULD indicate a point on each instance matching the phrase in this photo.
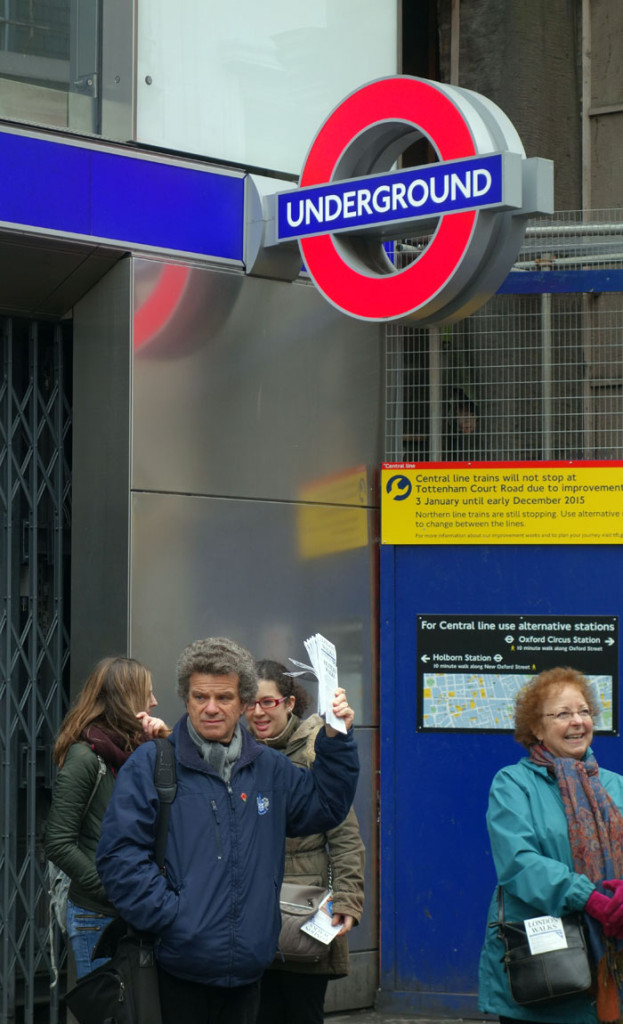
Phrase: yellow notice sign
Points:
(502, 503)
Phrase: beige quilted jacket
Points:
(308, 857)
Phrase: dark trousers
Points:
(188, 1002)
(288, 997)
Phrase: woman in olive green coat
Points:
(108, 720)
(294, 993)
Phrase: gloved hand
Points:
(615, 885)
(600, 907)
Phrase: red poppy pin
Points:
(243, 796)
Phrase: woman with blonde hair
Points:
(108, 720)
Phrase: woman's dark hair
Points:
(275, 672)
(116, 690)
(529, 701)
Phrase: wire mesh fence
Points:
(527, 377)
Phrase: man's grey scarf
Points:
(219, 756)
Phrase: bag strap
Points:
(101, 771)
(165, 780)
(499, 924)
(500, 905)
(102, 768)
(166, 784)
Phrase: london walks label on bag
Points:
(545, 934)
(320, 926)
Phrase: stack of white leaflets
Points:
(323, 659)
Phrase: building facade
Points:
(191, 449)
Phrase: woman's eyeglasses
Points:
(266, 703)
(566, 716)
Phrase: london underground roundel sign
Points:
(471, 205)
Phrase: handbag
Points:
(124, 990)
(299, 903)
(542, 977)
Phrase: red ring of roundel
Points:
(377, 297)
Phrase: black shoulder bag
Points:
(125, 989)
(542, 977)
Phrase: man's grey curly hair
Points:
(217, 656)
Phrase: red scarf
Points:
(108, 744)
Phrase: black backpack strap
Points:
(165, 780)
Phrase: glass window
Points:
(251, 82)
(48, 62)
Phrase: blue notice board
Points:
(437, 874)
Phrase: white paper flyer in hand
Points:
(323, 657)
(545, 933)
(320, 926)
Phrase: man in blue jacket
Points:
(215, 913)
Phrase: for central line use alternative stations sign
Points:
(470, 667)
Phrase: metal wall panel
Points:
(219, 566)
(224, 484)
(360, 986)
(101, 467)
(249, 387)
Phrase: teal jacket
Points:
(532, 856)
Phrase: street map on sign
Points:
(486, 701)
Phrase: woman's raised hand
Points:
(341, 709)
(152, 726)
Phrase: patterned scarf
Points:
(596, 835)
(219, 756)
